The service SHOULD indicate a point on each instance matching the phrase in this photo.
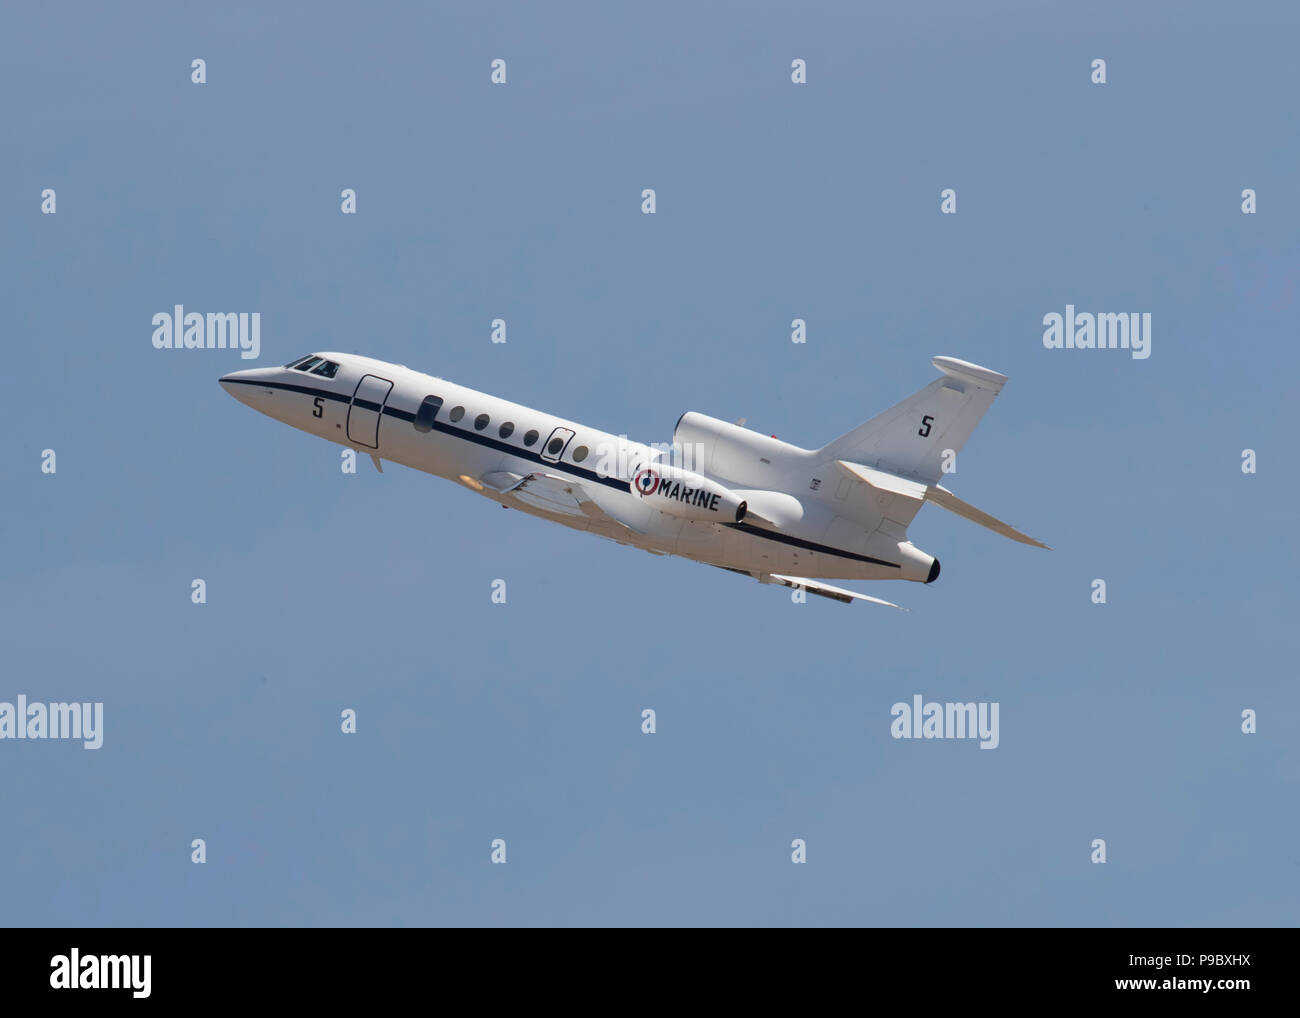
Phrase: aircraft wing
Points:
(552, 494)
(823, 589)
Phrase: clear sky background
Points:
(522, 721)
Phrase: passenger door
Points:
(367, 408)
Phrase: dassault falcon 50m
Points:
(719, 493)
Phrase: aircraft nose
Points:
(228, 382)
(240, 384)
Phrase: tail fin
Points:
(910, 438)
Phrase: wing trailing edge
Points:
(551, 494)
(823, 589)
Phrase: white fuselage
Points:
(373, 407)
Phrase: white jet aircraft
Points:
(720, 494)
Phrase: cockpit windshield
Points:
(314, 365)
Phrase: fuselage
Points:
(392, 413)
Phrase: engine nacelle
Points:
(743, 457)
(686, 494)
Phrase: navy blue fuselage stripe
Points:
(584, 473)
(306, 390)
(799, 542)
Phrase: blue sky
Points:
(522, 721)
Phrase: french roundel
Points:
(646, 482)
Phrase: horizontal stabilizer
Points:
(941, 496)
(825, 590)
(894, 485)
(882, 481)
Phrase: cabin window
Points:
(554, 446)
(579, 454)
(506, 429)
(530, 438)
(428, 413)
(480, 422)
(457, 412)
